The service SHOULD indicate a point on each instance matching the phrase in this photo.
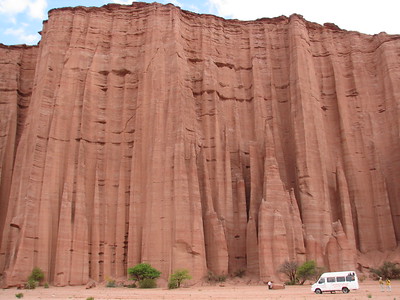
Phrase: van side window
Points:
(322, 280)
(330, 279)
(349, 278)
(340, 279)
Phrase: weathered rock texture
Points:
(146, 133)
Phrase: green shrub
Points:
(36, 275)
(19, 295)
(89, 298)
(221, 278)
(211, 277)
(306, 271)
(143, 271)
(299, 274)
(131, 286)
(172, 284)
(46, 285)
(111, 283)
(387, 270)
(31, 284)
(178, 277)
(147, 283)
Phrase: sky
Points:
(21, 20)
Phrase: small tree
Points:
(289, 268)
(387, 270)
(178, 277)
(36, 275)
(34, 278)
(31, 284)
(143, 271)
(306, 271)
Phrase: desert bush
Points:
(19, 295)
(221, 278)
(172, 284)
(147, 283)
(289, 268)
(143, 271)
(211, 277)
(36, 275)
(306, 271)
(111, 283)
(31, 284)
(299, 274)
(46, 285)
(177, 278)
(89, 298)
(387, 270)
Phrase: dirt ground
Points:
(368, 290)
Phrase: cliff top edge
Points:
(140, 5)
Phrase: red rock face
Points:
(145, 133)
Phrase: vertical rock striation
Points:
(17, 73)
(145, 133)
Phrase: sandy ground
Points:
(368, 290)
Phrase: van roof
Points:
(341, 273)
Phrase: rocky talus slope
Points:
(146, 133)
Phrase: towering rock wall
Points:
(17, 72)
(145, 133)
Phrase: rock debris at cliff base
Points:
(145, 133)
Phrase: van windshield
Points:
(322, 280)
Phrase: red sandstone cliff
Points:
(147, 133)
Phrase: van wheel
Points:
(345, 290)
(318, 291)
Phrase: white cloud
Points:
(12, 6)
(253, 9)
(364, 16)
(22, 35)
(34, 8)
(193, 8)
(175, 2)
(37, 9)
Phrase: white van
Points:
(336, 281)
